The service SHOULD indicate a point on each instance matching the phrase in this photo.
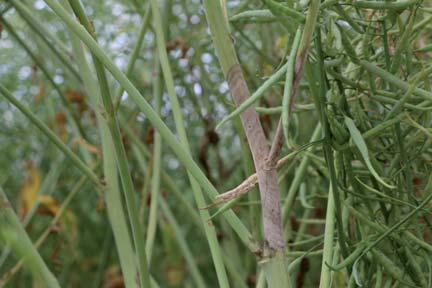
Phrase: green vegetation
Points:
(215, 143)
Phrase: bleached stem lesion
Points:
(250, 182)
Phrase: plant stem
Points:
(196, 275)
(327, 259)
(45, 72)
(178, 118)
(267, 176)
(120, 155)
(168, 137)
(51, 136)
(113, 197)
(156, 167)
(12, 232)
(51, 41)
(135, 53)
(274, 265)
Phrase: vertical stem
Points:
(178, 118)
(135, 53)
(327, 258)
(196, 275)
(328, 153)
(293, 77)
(267, 176)
(113, 198)
(299, 176)
(156, 163)
(120, 154)
(274, 266)
(288, 94)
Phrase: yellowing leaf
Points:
(67, 222)
(48, 205)
(29, 189)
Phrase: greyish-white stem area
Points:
(267, 175)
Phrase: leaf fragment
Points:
(358, 140)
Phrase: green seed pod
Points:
(283, 10)
(349, 49)
(378, 5)
(337, 128)
(339, 167)
(389, 266)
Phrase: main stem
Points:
(267, 176)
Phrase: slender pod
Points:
(287, 96)
(396, 5)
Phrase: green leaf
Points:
(361, 145)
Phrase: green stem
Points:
(112, 194)
(12, 232)
(120, 155)
(168, 137)
(167, 181)
(51, 42)
(288, 89)
(156, 169)
(178, 118)
(328, 151)
(135, 53)
(51, 136)
(196, 275)
(327, 259)
(47, 75)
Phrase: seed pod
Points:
(338, 130)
